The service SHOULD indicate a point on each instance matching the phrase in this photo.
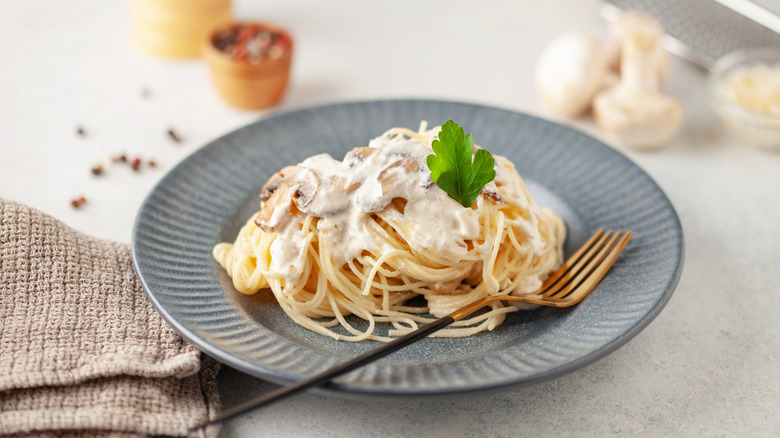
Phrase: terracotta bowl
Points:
(249, 83)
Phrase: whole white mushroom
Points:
(570, 71)
(634, 110)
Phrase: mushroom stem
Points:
(637, 23)
(639, 64)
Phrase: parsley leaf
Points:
(452, 168)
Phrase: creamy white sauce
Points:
(436, 222)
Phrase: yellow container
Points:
(177, 28)
(247, 85)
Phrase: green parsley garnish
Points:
(452, 168)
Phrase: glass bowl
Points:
(745, 92)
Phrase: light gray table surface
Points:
(709, 365)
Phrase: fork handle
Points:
(333, 372)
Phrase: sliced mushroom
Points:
(399, 204)
(391, 175)
(340, 183)
(289, 189)
(492, 194)
(357, 155)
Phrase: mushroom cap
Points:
(358, 154)
(290, 188)
(570, 72)
(639, 119)
(390, 177)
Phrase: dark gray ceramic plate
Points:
(206, 198)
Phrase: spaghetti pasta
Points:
(372, 236)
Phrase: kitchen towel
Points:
(82, 350)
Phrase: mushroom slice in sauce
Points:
(340, 183)
(493, 195)
(357, 155)
(291, 187)
(390, 176)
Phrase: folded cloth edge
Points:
(166, 406)
(181, 365)
(166, 357)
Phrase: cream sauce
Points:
(366, 182)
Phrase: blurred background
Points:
(76, 92)
(74, 67)
(71, 65)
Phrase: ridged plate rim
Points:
(189, 210)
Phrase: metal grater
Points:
(700, 30)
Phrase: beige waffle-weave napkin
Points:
(82, 351)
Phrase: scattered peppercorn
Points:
(146, 93)
(119, 158)
(175, 137)
(81, 132)
(78, 202)
(97, 170)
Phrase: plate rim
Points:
(361, 391)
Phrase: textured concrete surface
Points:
(709, 365)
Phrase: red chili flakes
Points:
(136, 164)
(252, 43)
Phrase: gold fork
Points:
(573, 281)
(567, 286)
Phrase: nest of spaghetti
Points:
(370, 248)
